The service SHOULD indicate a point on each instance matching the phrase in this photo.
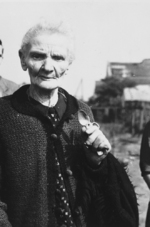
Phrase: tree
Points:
(110, 92)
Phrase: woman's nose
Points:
(48, 64)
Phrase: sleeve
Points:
(145, 151)
(4, 222)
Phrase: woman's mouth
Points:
(47, 77)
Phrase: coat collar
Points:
(21, 103)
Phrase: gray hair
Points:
(45, 26)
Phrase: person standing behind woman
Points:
(145, 163)
(57, 170)
(7, 87)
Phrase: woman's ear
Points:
(22, 60)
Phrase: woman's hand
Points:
(97, 145)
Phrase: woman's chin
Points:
(47, 85)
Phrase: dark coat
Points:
(100, 197)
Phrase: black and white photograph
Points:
(74, 113)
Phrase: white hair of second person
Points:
(51, 27)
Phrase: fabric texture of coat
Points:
(100, 197)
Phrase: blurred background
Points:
(111, 71)
(106, 31)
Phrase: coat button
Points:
(54, 136)
(69, 172)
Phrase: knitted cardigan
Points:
(101, 197)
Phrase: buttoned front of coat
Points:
(99, 197)
(28, 143)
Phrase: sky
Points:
(106, 31)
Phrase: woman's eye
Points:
(37, 56)
(58, 58)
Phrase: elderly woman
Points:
(55, 167)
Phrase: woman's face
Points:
(46, 59)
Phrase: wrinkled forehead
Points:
(48, 42)
(50, 39)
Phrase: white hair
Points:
(44, 26)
